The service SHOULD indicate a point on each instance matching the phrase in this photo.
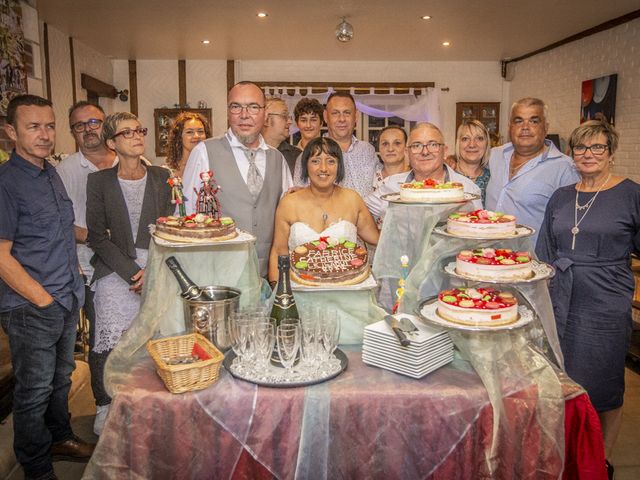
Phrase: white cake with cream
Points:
(481, 307)
(500, 264)
(481, 224)
(431, 191)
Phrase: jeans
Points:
(42, 342)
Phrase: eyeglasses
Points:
(252, 108)
(128, 133)
(91, 124)
(432, 147)
(286, 116)
(596, 149)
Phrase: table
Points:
(367, 423)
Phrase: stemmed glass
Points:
(288, 341)
(264, 341)
(242, 332)
(310, 341)
(329, 335)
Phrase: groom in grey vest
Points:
(252, 175)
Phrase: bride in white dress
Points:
(321, 209)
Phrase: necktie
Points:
(254, 179)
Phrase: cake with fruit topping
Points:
(494, 264)
(195, 228)
(329, 261)
(481, 224)
(432, 191)
(482, 307)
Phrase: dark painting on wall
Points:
(599, 99)
(13, 78)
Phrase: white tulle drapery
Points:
(408, 106)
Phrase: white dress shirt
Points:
(199, 162)
(74, 171)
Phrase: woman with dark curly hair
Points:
(187, 131)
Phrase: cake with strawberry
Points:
(481, 224)
(195, 228)
(432, 191)
(329, 261)
(494, 264)
(482, 307)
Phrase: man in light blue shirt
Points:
(526, 172)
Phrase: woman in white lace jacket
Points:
(121, 202)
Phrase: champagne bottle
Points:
(284, 304)
(189, 290)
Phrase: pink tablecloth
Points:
(367, 423)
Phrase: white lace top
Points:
(116, 306)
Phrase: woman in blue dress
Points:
(589, 231)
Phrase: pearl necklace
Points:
(587, 206)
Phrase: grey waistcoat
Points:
(236, 201)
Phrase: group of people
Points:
(587, 220)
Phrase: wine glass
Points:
(329, 335)
(310, 341)
(264, 341)
(288, 341)
(241, 335)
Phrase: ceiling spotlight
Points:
(426, 17)
(445, 44)
(206, 42)
(262, 15)
(344, 31)
(123, 95)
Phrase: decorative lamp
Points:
(344, 31)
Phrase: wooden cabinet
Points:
(487, 112)
(163, 118)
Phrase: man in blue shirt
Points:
(525, 172)
(40, 290)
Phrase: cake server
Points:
(397, 329)
(408, 326)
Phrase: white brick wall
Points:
(556, 77)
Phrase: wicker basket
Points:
(190, 376)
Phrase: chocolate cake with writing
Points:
(328, 261)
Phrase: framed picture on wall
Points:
(599, 99)
(163, 119)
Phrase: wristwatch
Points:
(273, 284)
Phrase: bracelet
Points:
(273, 284)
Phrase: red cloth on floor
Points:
(584, 448)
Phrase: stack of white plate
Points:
(430, 348)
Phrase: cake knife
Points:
(395, 326)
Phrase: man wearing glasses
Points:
(276, 130)
(426, 152)
(252, 175)
(526, 171)
(85, 121)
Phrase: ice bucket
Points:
(211, 318)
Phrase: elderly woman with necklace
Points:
(323, 208)
(588, 234)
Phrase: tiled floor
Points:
(625, 459)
